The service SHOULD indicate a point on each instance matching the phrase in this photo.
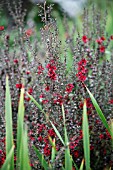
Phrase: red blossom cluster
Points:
(100, 41)
(69, 88)
(58, 99)
(51, 70)
(40, 69)
(82, 70)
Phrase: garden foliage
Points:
(57, 78)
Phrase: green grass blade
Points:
(40, 156)
(37, 104)
(7, 164)
(53, 154)
(74, 164)
(9, 128)
(99, 111)
(86, 144)
(68, 159)
(24, 154)
(57, 133)
(82, 165)
(20, 123)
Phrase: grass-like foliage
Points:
(56, 96)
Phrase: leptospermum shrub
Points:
(56, 75)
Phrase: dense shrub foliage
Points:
(55, 74)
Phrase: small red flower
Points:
(58, 100)
(42, 96)
(1, 28)
(103, 38)
(51, 133)
(47, 88)
(27, 99)
(102, 49)
(52, 75)
(101, 136)
(45, 101)
(30, 90)
(47, 151)
(76, 154)
(18, 86)
(27, 72)
(29, 32)
(111, 37)
(111, 101)
(81, 76)
(15, 61)
(69, 88)
(40, 138)
(99, 41)
(40, 69)
(85, 39)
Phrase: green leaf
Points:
(37, 104)
(99, 111)
(74, 164)
(7, 165)
(53, 154)
(24, 154)
(82, 165)
(9, 129)
(40, 156)
(57, 133)
(86, 144)
(20, 123)
(68, 159)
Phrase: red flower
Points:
(81, 76)
(58, 100)
(18, 86)
(27, 72)
(40, 138)
(111, 37)
(52, 75)
(82, 62)
(101, 136)
(102, 49)
(47, 88)
(103, 38)
(1, 28)
(41, 96)
(47, 151)
(76, 154)
(30, 90)
(29, 32)
(27, 99)
(85, 39)
(99, 41)
(111, 101)
(45, 101)
(15, 61)
(40, 69)
(69, 88)
(51, 67)
(51, 133)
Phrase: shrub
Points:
(56, 74)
